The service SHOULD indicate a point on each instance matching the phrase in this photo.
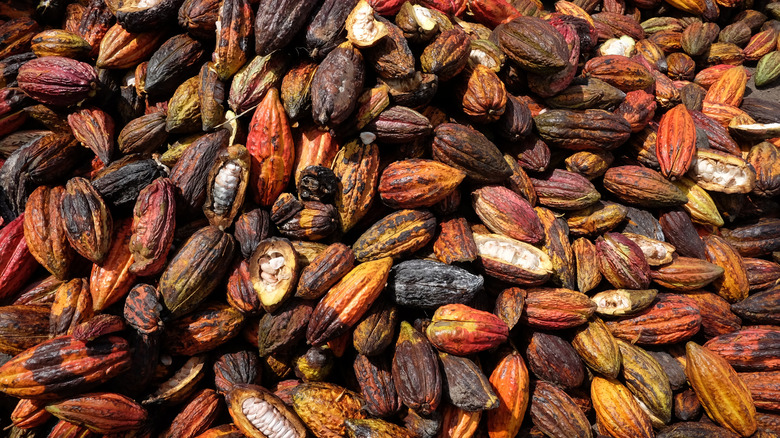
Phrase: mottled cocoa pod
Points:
(203, 330)
(646, 379)
(44, 230)
(100, 412)
(154, 220)
(391, 57)
(455, 242)
(336, 85)
(642, 186)
(32, 374)
(227, 183)
(143, 134)
(590, 129)
(314, 221)
(557, 246)
(196, 270)
(671, 318)
(235, 368)
(716, 315)
(375, 377)
(466, 386)
(588, 272)
(72, 306)
(598, 348)
(357, 166)
(121, 182)
(184, 115)
(143, 308)
(251, 82)
(240, 292)
(16, 35)
(556, 414)
(87, 220)
(199, 17)
(94, 128)
(24, 327)
(296, 87)
(397, 234)
(447, 55)
(471, 152)
(177, 58)
(617, 411)
(276, 23)
(250, 229)
(622, 262)
(416, 371)
(234, 31)
(323, 32)
(505, 212)
(564, 190)
(399, 124)
(283, 328)
(375, 332)
(325, 270)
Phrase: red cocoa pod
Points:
(672, 318)
(57, 81)
(555, 309)
(749, 349)
(17, 264)
(462, 330)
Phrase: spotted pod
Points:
(397, 234)
(324, 407)
(87, 220)
(64, 366)
(257, 413)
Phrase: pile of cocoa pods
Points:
(390, 218)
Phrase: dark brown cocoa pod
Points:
(516, 122)
(640, 221)
(695, 429)
(375, 332)
(282, 329)
(211, 93)
(391, 57)
(323, 33)
(325, 270)
(178, 58)
(9, 67)
(672, 368)
(466, 386)
(679, 231)
(414, 92)
(686, 405)
(42, 161)
(317, 183)
(761, 110)
(553, 359)
(556, 413)
(532, 153)
(142, 16)
(428, 284)
(143, 134)
(427, 426)
(24, 327)
(144, 360)
(251, 228)
(416, 371)
(296, 89)
(16, 35)
(376, 384)
(277, 22)
(87, 220)
(239, 367)
(337, 84)
(191, 171)
(203, 330)
(199, 17)
(314, 221)
(470, 151)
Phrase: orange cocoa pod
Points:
(120, 49)
(416, 371)
(724, 396)
(456, 422)
(44, 231)
(111, 280)
(315, 148)
(462, 330)
(617, 411)
(729, 88)
(455, 242)
(555, 309)
(764, 389)
(676, 142)
(716, 315)
(348, 300)
(22, 327)
(72, 306)
(733, 285)
(270, 145)
(511, 384)
(417, 183)
(29, 413)
(203, 330)
(196, 416)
